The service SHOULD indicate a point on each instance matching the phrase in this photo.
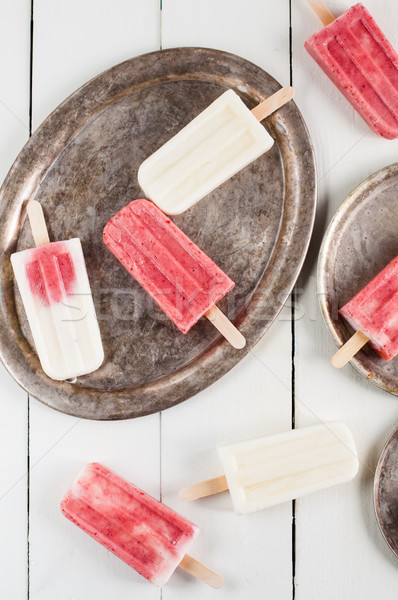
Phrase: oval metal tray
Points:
(82, 163)
(360, 241)
(386, 492)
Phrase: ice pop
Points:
(269, 470)
(373, 313)
(55, 291)
(182, 280)
(355, 54)
(219, 142)
(144, 533)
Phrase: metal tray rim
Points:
(14, 187)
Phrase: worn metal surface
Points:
(82, 166)
(386, 492)
(360, 241)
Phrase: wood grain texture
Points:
(37, 223)
(350, 348)
(204, 488)
(271, 104)
(339, 550)
(252, 399)
(14, 125)
(225, 327)
(74, 41)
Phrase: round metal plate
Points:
(82, 163)
(386, 492)
(360, 241)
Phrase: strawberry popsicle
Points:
(373, 313)
(277, 468)
(181, 279)
(144, 533)
(55, 291)
(356, 55)
(219, 142)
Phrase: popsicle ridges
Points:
(51, 273)
(181, 279)
(361, 62)
(147, 535)
(273, 469)
(374, 311)
(215, 145)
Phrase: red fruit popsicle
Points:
(182, 280)
(144, 533)
(373, 313)
(356, 55)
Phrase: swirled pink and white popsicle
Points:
(55, 290)
(144, 533)
(358, 58)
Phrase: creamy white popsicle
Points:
(219, 142)
(55, 290)
(274, 469)
(278, 468)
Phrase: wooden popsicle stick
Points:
(199, 570)
(271, 104)
(204, 488)
(224, 326)
(322, 12)
(350, 348)
(37, 223)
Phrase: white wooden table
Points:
(324, 546)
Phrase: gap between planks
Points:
(293, 336)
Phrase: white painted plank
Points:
(340, 552)
(257, 30)
(14, 71)
(65, 562)
(73, 42)
(13, 494)
(252, 552)
(14, 125)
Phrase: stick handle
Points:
(204, 488)
(271, 104)
(322, 12)
(37, 223)
(199, 570)
(224, 326)
(350, 348)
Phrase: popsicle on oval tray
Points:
(181, 279)
(144, 533)
(356, 55)
(373, 313)
(219, 142)
(278, 468)
(55, 291)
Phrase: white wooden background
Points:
(324, 546)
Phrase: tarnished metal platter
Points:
(386, 492)
(82, 163)
(360, 241)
